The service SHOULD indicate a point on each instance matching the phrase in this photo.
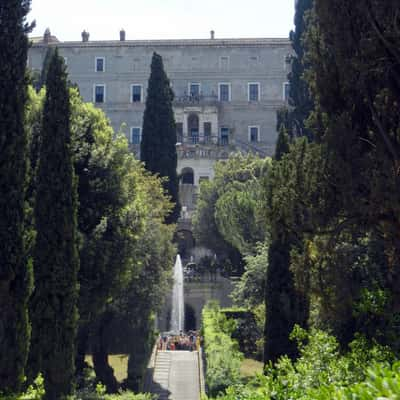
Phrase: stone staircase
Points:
(176, 375)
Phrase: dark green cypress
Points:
(45, 68)
(281, 302)
(299, 96)
(158, 146)
(15, 274)
(56, 261)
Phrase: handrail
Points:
(202, 385)
(151, 366)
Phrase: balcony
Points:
(198, 100)
(204, 147)
(210, 140)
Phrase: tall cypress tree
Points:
(158, 146)
(56, 262)
(355, 76)
(300, 100)
(300, 97)
(15, 276)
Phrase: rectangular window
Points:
(179, 132)
(254, 91)
(224, 63)
(224, 136)
(194, 89)
(254, 134)
(136, 93)
(286, 91)
(100, 64)
(224, 91)
(99, 95)
(207, 132)
(136, 135)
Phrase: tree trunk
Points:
(81, 349)
(104, 372)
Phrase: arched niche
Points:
(187, 176)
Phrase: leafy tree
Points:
(226, 219)
(140, 289)
(145, 293)
(15, 271)
(106, 219)
(54, 301)
(249, 291)
(158, 145)
(125, 248)
(110, 219)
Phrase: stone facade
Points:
(227, 92)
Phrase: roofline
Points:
(171, 42)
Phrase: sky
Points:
(162, 19)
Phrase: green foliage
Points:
(223, 357)
(356, 116)
(282, 144)
(15, 270)
(99, 393)
(247, 331)
(158, 145)
(54, 301)
(126, 250)
(204, 225)
(321, 372)
(226, 218)
(111, 213)
(249, 291)
(293, 197)
(300, 98)
(40, 82)
(33, 392)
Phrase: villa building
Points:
(227, 92)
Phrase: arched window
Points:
(193, 128)
(187, 176)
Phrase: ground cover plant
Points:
(322, 372)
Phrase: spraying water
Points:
(178, 312)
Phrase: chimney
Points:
(47, 35)
(85, 36)
(212, 35)
(122, 35)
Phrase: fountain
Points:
(178, 307)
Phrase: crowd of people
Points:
(184, 341)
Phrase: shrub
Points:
(99, 393)
(223, 358)
(322, 373)
(34, 392)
